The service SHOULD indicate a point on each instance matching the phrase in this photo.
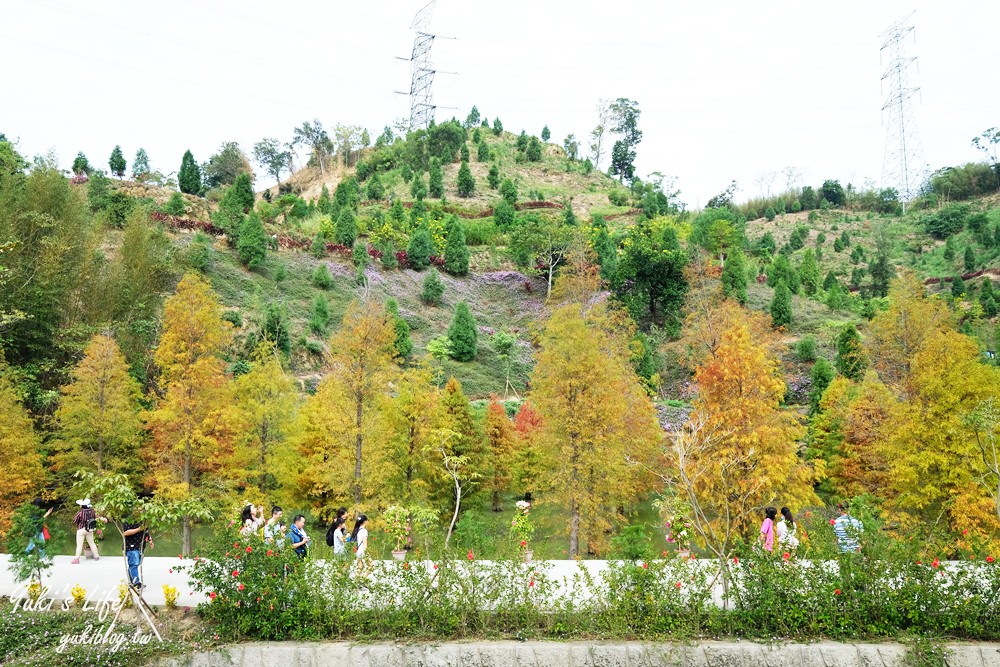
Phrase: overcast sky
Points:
(728, 90)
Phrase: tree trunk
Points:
(496, 501)
(263, 457)
(574, 529)
(357, 452)
(454, 517)
(186, 523)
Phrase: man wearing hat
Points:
(86, 523)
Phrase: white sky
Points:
(728, 90)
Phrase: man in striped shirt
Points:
(848, 530)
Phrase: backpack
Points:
(91, 525)
(330, 535)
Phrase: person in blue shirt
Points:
(298, 537)
(848, 530)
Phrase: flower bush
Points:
(170, 596)
(79, 594)
(521, 528)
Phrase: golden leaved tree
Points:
(193, 422)
(739, 451)
(99, 416)
(598, 429)
(345, 424)
(19, 457)
(502, 446)
(266, 402)
(932, 449)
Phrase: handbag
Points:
(45, 533)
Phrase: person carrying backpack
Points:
(331, 533)
(86, 523)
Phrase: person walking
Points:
(86, 523)
(136, 536)
(360, 536)
(847, 529)
(251, 520)
(786, 531)
(271, 527)
(767, 529)
(339, 537)
(297, 535)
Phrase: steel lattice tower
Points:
(422, 74)
(903, 163)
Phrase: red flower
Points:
(270, 553)
(935, 563)
(836, 591)
(678, 584)
(236, 545)
(736, 560)
(470, 555)
(435, 566)
(531, 583)
(965, 532)
(181, 556)
(272, 607)
(786, 556)
(406, 566)
(241, 587)
(212, 595)
(920, 562)
(523, 543)
(808, 514)
(989, 559)
(249, 549)
(236, 573)
(664, 554)
(645, 566)
(833, 522)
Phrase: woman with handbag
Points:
(86, 523)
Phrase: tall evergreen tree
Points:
(483, 152)
(435, 187)
(80, 164)
(463, 334)
(734, 277)
(189, 176)
(851, 362)
(497, 126)
(493, 178)
(140, 165)
(252, 243)
(456, 253)
(242, 189)
(117, 162)
(418, 254)
(546, 134)
(346, 230)
(821, 376)
(970, 258)
(466, 182)
(809, 273)
(404, 346)
(781, 306)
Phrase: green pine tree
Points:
(497, 127)
(508, 191)
(781, 306)
(822, 375)
(375, 190)
(404, 346)
(987, 298)
(252, 244)
(436, 185)
(189, 176)
(534, 150)
(321, 277)
(546, 134)
(397, 213)
(493, 178)
(320, 319)
(324, 204)
(504, 214)
(463, 334)
(483, 152)
(809, 273)
(419, 252)
(456, 253)
(851, 362)
(432, 289)
(117, 162)
(464, 153)
(466, 181)
(970, 259)
(734, 277)
(604, 247)
(242, 189)
(957, 287)
(346, 230)
(418, 188)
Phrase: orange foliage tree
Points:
(19, 451)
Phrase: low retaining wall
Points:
(577, 654)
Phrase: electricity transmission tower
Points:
(903, 163)
(422, 73)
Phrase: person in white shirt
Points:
(271, 527)
(339, 537)
(786, 531)
(360, 536)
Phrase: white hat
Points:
(84, 503)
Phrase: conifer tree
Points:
(781, 306)
(493, 178)
(987, 298)
(483, 152)
(508, 191)
(318, 247)
(970, 258)
(504, 214)
(418, 188)
(821, 376)
(957, 287)
(522, 141)
(321, 277)
(464, 153)
(463, 334)
(320, 319)
(404, 346)
(117, 162)
(432, 289)
(397, 213)
(418, 254)
(175, 205)
(534, 150)
(546, 134)
(734, 277)
(466, 182)
(607, 253)
(347, 228)
(809, 273)
(19, 451)
(140, 165)
(80, 164)
(501, 444)
(347, 420)
(435, 186)
(99, 413)
(456, 254)
(193, 423)
(324, 204)
(497, 126)
(851, 362)
(252, 243)
(242, 192)
(375, 190)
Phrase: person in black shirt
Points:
(136, 536)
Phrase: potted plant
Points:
(521, 528)
(396, 523)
